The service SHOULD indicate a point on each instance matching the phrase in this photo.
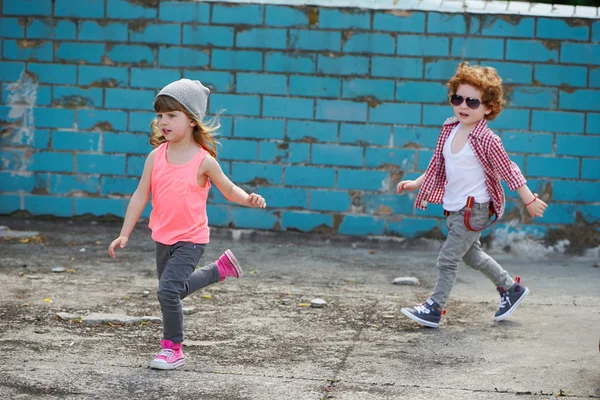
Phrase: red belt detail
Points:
(468, 209)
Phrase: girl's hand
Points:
(121, 242)
(256, 201)
(409, 186)
(536, 207)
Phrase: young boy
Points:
(467, 165)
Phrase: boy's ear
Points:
(488, 111)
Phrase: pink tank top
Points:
(178, 203)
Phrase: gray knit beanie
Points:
(192, 95)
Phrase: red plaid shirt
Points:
(493, 158)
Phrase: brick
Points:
(94, 31)
(558, 75)
(362, 134)
(578, 145)
(559, 214)
(329, 200)
(521, 142)
(590, 213)
(378, 89)
(69, 184)
(11, 71)
(478, 48)
(370, 43)
(240, 60)
(446, 23)
(135, 165)
(216, 81)
(130, 99)
(530, 50)
(221, 36)
(217, 215)
(421, 92)
(41, 51)
(99, 207)
(593, 124)
(345, 65)
(181, 57)
(416, 137)
(363, 180)
(154, 78)
(341, 110)
(91, 53)
(283, 62)
(182, 11)
(309, 176)
(54, 73)
(288, 107)
(252, 218)
(123, 9)
(513, 72)
(305, 221)
(69, 96)
(284, 197)
(557, 121)
(79, 9)
(235, 104)
(248, 172)
(512, 119)
(53, 118)
(315, 40)
(395, 113)
(38, 138)
(49, 205)
(533, 97)
(118, 186)
(13, 160)
(555, 28)
(100, 76)
(590, 168)
(321, 131)
(575, 191)
(11, 181)
(583, 100)
(140, 121)
(412, 227)
(294, 153)
(226, 126)
(387, 204)
(9, 203)
(424, 157)
(552, 167)
(423, 46)
(157, 33)
(126, 143)
(261, 83)
(237, 14)
(596, 31)
(101, 163)
(63, 30)
(11, 28)
(259, 128)
(63, 140)
(335, 154)
(440, 69)
(331, 18)
(125, 53)
(361, 225)
(245, 150)
(314, 86)
(263, 38)
(594, 77)
(397, 67)
(411, 22)
(405, 159)
(27, 7)
(51, 162)
(13, 93)
(492, 25)
(285, 16)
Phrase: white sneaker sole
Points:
(235, 263)
(419, 320)
(165, 366)
(513, 308)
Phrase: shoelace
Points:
(504, 298)
(167, 353)
(421, 309)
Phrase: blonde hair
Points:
(203, 133)
(484, 79)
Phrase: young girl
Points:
(464, 174)
(178, 172)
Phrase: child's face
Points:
(465, 114)
(175, 125)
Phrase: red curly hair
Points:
(484, 79)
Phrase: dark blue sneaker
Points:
(510, 299)
(427, 314)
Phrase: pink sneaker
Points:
(170, 357)
(229, 266)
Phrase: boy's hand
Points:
(256, 201)
(536, 208)
(409, 186)
(121, 242)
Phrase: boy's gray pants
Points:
(464, 244)
(178, 278)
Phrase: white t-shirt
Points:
(464, 174)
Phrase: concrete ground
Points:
(254, 338)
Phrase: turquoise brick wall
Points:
(326, 109)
